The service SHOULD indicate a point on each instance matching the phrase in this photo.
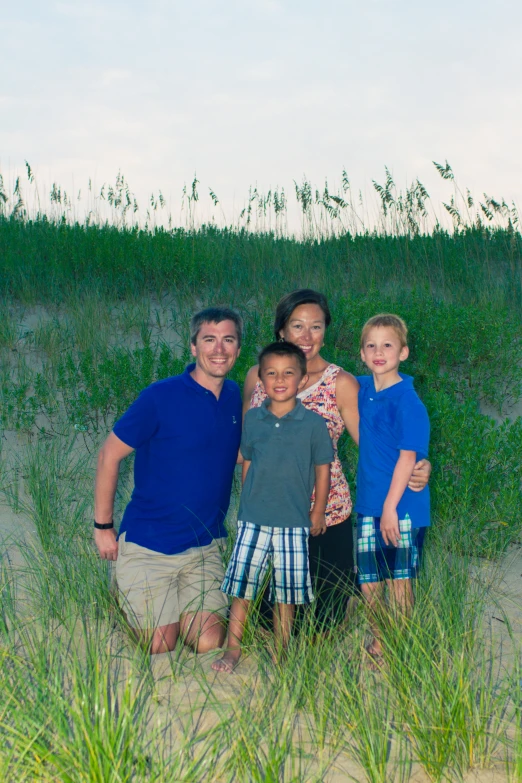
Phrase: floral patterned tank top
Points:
(321, 399)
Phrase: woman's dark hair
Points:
(286, 306)
(282, 348)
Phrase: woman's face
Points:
(306, 328)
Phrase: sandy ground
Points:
(119, 325)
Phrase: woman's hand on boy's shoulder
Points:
(420, 476)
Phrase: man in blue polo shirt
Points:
(186, 432)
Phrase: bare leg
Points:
(283, 623)
(236, 628)
(203, 631)
(351, 608)
(373, 593)
(401, 596)
(162, 639)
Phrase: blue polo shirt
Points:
(186, 445)
(390, 420)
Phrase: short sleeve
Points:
(322, 448)
(414, 427)
(246, 441)
(139, 422)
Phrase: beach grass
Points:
(92, 313)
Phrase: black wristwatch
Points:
(108, 526)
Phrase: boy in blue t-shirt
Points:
(394, 434)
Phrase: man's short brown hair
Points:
(215, 315)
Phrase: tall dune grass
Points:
(90, 313)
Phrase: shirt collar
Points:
(296, 413)
(397, 388)
(191, 383)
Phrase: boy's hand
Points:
(390, 527)
(420, 476)
(318, 526)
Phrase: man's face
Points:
(216, 348)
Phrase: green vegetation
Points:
(89, 315)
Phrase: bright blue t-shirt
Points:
(186, 444)
(390, 420)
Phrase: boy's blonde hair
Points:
(386, 319)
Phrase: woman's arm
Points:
(346, 391)
(248, 387)
(420, 476)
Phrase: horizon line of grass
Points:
(42, 261)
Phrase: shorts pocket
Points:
(405, 531)
(121, 545)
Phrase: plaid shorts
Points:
(256, 547)
(377, 561)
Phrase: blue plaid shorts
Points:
(258, 546)
(377, 561)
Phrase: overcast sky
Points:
(250, 92)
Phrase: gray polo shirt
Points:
(284, 453)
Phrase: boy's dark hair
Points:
(286, 306)
(282, 348)
(214, 315)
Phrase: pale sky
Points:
(261, 92)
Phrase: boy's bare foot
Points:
(228, 662)
(375, 657)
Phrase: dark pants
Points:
(332, 570)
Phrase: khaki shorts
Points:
(156, 589)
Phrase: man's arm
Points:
(322, 488)
(111, 454)
(244, 469)
(389, 517)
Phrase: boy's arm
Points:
(244, 469)
(389, 517)
(322, 488)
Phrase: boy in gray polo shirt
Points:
(286, 450)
